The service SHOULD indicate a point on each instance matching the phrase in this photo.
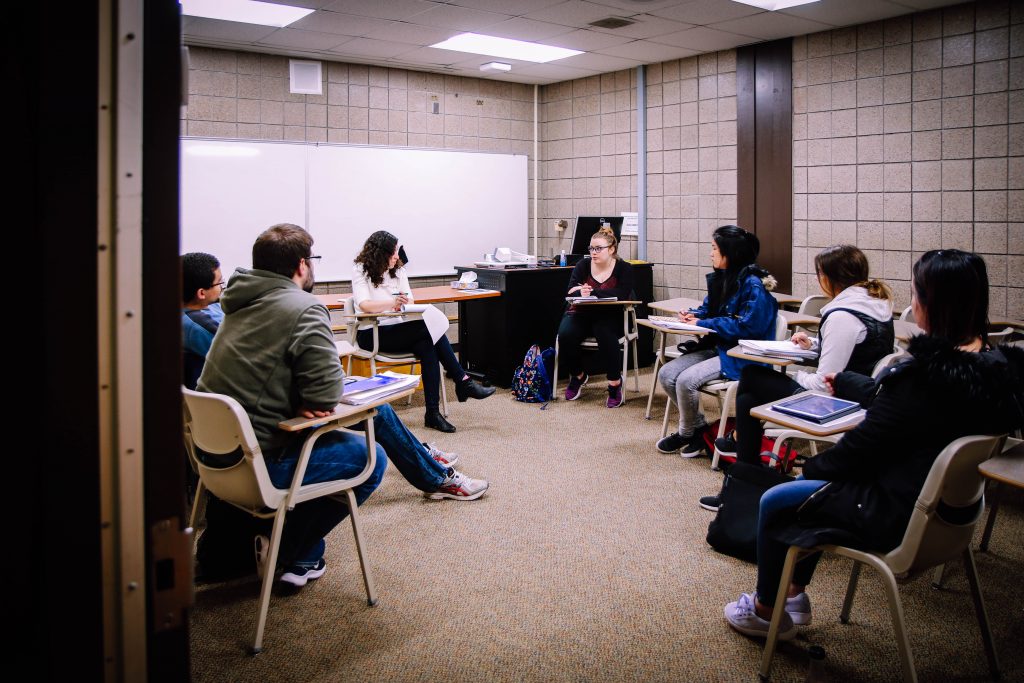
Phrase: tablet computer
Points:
(817, 408)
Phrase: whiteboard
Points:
(446, 207)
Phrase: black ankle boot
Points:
(468, 388)
(435, 420)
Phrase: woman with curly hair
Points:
(379, 285)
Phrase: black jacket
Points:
(914, 411)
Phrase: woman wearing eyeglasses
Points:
(379, 285)
(603, 275)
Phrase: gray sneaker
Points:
(742, 617)
(459, 487)
(442, 458)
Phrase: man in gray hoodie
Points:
(275, 354)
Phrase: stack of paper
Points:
(675, 324)
(578, 299)
(360, 391)
(778, 349)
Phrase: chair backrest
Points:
(1000, 336)
(781, 328)
(887, 360)
(908, 315)
(954, 487)
(216, 425)
(812, 305)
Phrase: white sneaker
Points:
(799, 609)
(443, 459)
(742, 617)
(459, 487)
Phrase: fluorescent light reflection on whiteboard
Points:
(244, 11)
(222, 151)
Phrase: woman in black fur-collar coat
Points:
(954, 384)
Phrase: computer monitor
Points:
(586, 226)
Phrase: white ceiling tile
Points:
(561, 73)
(646, 26)
(520, 28)
(460, 18)
(303, 40)
(599, 62)
(391, 9)
(771, 25)
(633, 6)
(704, 39)
(413, 34)
(365, 47)
(845, 13)
(576, 13)
(703, 12)
(928, 4)
(310, 4)
(225, 30)
(342, 24)
(647, 52)
(588, 40)
(433, 55)
(513, 7)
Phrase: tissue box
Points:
(464, 285)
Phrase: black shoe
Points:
(711, 503)
(695, 445)
(726, 446)
(672, 443)
(435, 420)
(468, 388)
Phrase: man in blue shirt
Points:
(201, 315)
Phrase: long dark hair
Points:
(952, 288)
(740, 249)
(376, 255)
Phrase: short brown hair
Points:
(280, 248)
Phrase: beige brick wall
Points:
(909, 136)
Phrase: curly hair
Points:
(376, 254)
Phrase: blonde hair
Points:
(607, 233)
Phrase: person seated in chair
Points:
(380, 285)
(604, 275)
(954, 384)
(275, 354)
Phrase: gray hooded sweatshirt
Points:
(274, 354)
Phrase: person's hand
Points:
(401, 300)
(575, 289)
(830, 382)
(802, 340)
(310, 413)
(687, 317)
(585, 290)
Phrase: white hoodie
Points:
(845, 331)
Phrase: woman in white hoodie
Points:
(855, 331)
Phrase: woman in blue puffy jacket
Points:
(738, 306)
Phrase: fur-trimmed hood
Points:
(995, 377)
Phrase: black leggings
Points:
(758, 385)
(413, 336)
(605, 326)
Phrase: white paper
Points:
(631, 224)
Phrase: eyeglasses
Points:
(596, 250)
(309, 259)
(222, 284)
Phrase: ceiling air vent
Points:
(612, 22)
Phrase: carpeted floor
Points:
(586, 561)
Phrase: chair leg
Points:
(939, 577)
(371, 590)
(780, 608)
(636, 369)
(851, 591)
(198, 507)
(728, 404)
(979, 607)
(664, 420)
(898, 620)
(444, 394)
(268, 579)
(654, 378)
(986, 536)
(554, 378)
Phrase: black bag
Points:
(225, 549)
(733, 531)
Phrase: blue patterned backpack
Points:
(531, 382)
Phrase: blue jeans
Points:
(408, 454)
(771, 554)
(336, 455)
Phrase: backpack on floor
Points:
(531, 382)
(783, 462)
(733, 531)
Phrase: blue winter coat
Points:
(748, 314)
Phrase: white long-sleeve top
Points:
(363, 290)
(843, 331)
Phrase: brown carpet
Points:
(586, 561)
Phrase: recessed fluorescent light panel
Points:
(495, 66)
(772, 5)
(477, 44)
(244, 11)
